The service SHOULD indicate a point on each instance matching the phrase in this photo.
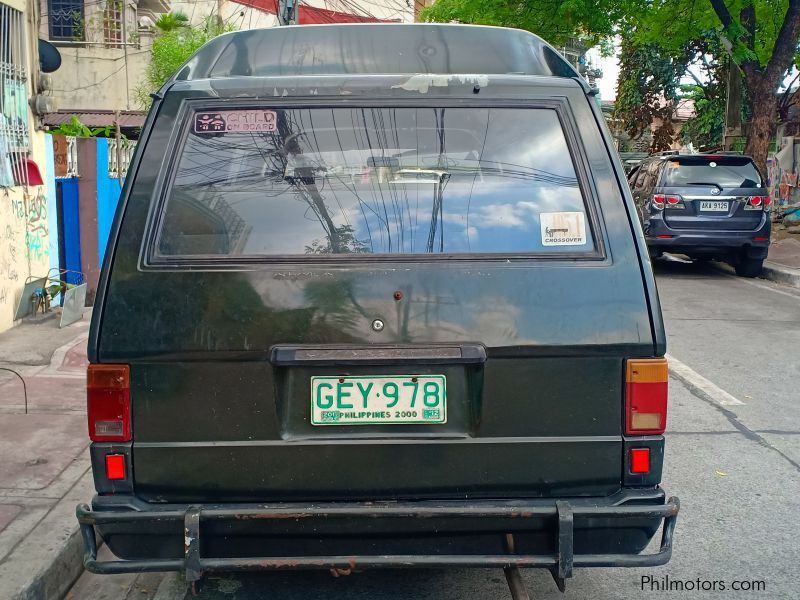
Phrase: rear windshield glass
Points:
(316, 181)
(726, 172)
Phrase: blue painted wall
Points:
(71, 229)
(108, 191)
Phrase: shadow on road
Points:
(679, 266)
(414, 584)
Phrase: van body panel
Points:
(223, 348)
(556, 332)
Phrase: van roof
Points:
(375, 48)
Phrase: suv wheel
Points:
(749, 267)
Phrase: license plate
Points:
(717, 206)
(389, 400)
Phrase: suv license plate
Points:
(386, 400)
(716, 206)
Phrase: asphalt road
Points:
(733, 457)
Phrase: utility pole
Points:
(287, 12)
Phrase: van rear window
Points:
(323, 181)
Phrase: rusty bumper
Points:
(561, 562)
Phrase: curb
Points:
(50, 558)
(780, 274)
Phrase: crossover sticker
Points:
(236, 121)
(563, 229)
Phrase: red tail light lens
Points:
(658, 201)
(767, 202)
(646, 396)
(755, 200)
(640, 460)
(109, 403)
(115, 466)
(674, 202)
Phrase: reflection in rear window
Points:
(318, 181)
(726, 172)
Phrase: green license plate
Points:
(389, 400)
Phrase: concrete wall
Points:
(25, 231)
(25, 226)
(94, 77)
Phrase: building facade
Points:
(106, 44)
(26, 209)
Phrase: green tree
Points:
(173, 47)
(171, 21)
(554, 20)
(759, 36)
(647, 91)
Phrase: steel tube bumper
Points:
(561, 562)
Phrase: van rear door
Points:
(321, 300)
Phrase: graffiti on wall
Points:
(8, 256)
(36, 228)
(24, 239)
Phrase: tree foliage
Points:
(554, 20)
(171, 21)
(172, 48)
(759, 36)
(647, 92)
(76, 128)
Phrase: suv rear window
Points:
(726, 172)
(317, 181)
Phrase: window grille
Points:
(65, 18)
(14, 133)
(112, 22)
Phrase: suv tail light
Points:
(674, 201)
(109, 403)
(646, 396)
(758, 203)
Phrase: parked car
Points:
(705, 206)
(352, 316)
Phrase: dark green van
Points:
(376, 296)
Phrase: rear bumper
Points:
(564, 522)
(707, 241)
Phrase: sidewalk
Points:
(783, 263)
(44, 470)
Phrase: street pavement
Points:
(733, 457)
(44, 465)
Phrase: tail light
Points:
(674, 201)
(658, 200)
(109, 403)
(646, 396)
(640, 461)
(115, 466)
(758, 203)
